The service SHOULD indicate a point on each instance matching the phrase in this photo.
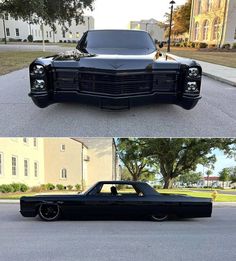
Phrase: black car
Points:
(114, 68)
(116, 200)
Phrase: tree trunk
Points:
(168, 183)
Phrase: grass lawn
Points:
(222, 58)
(12, 61)
(200, 194)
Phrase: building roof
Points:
(213, 178)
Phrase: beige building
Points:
(66, 161)
(213, 22)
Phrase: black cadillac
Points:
(116, 200)
(115, 68)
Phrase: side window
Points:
(119, 190)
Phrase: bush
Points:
(78, 187)
(24, 188)
(60, 41)
(177, 45)
(30, 38)
(234, 46)
(226, 46)
(157, 186)
(24, 41)
(43, 187)
(16, 187)
(211, 46)
(41, 41)
(202, 45)
(36, 189)
(69, 187)
(60, 187)
(6, 188)
(50, 186)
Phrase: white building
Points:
(19, 30)
(152, 26)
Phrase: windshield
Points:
(97, 41)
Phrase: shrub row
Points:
(202, 45)
(14, 187)
(67, 41)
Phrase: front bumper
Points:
(114, 102)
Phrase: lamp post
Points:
(171, 18)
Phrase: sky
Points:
(116, 14)
(222, 162)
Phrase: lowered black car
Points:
(116, 200)
(115, 67)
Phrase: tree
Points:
(181, 19)
(131, 154)
(208, 173)
(224, 175)
(178, 156)
(190, 178)
(48, 11)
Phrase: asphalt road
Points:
(194, 239)
(214, 116)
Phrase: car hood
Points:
(118, 62)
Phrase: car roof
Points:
(119, 30)
(121, 182)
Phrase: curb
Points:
(220, 79)
(9, 201)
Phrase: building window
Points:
(216, 28)
(64, 174)
(205, 30)
(17, 32)
(219, 4)
(50, 34)
(63, 147)
(8, 32)
(14, 165)
(26, 167)
(25, 140)
(1, 164)
(36, 169)
(208, 5)
(6, 16)
(199, 6)
(64, 34)
(35, 142)
(196, 31)
(47, 34)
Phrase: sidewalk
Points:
(220, 73)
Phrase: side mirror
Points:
(161, 45)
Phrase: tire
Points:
(159, 217)
(49, 212)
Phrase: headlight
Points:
(193, 72)
(38, 69)
(192, 87)
(39, 85)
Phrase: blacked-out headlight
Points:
(38, 70)
(193, 72)
(192, 87)
(39, 85)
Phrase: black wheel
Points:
(49, 212)
(159, 217)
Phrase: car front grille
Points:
(115, 83)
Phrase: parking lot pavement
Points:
(193, 239)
